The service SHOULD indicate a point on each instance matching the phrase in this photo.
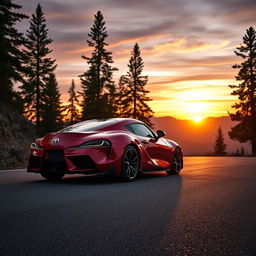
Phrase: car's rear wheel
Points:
(52, 176)
(176, 162)
(130, 163)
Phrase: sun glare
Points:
(197, 119)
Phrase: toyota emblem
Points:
(55, 141)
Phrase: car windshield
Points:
(90, 125)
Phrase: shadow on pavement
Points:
(100, 179)
(87, 215)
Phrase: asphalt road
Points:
(210, 209)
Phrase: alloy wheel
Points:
(177, 162)
(130, 166)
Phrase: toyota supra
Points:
(117, 146)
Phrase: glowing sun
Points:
(197, 119)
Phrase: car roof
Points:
(98, 124)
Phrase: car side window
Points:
(142, 130)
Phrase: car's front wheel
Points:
(52, 176)
(130, 163)
(176, 162)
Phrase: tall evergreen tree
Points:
(10, 54)
(137, 107)
(220, 146)
(245, 113)
(51, 111)
(122, 99)
(97, 82)
(72, 111)
(38, 64)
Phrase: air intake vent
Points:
(83, 162)
(35, 162)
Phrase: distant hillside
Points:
(198, 138)
(16, 135)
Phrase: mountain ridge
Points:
(198, 138)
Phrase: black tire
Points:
(52, 176)
(176, 162)
(130, 163)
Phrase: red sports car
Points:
(116, 146)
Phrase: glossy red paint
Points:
(68, 152)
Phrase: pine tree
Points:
(51, 111)
(245, 113)
(10, 53)
(72, 111)
(97, 82)
(137, 107)
(220, 146)
(122, 99)
(38, 64)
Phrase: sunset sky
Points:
(187, 46)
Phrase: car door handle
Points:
(144, 142)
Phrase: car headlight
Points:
(34, 145)
(94, 144)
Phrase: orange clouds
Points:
(175, 83)
(187, 48)
(202, 47)
(179, 45)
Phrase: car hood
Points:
(61, 140)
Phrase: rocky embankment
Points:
(16, 135)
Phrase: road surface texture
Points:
(210, 209)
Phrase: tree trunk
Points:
(37, 88)
(135, 97)
(37, 101)
(134, 104)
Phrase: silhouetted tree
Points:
(10, 53)
(97, 82)
(137, 106)
(122, 99)
(38, 64)
(220, 146)
(72, 111)
(245, 113)
(51, 110)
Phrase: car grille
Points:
(55, 155)
(54, 161)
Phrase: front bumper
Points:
(73, 161)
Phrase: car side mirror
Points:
(160, 133)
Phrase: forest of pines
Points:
(38, 97)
